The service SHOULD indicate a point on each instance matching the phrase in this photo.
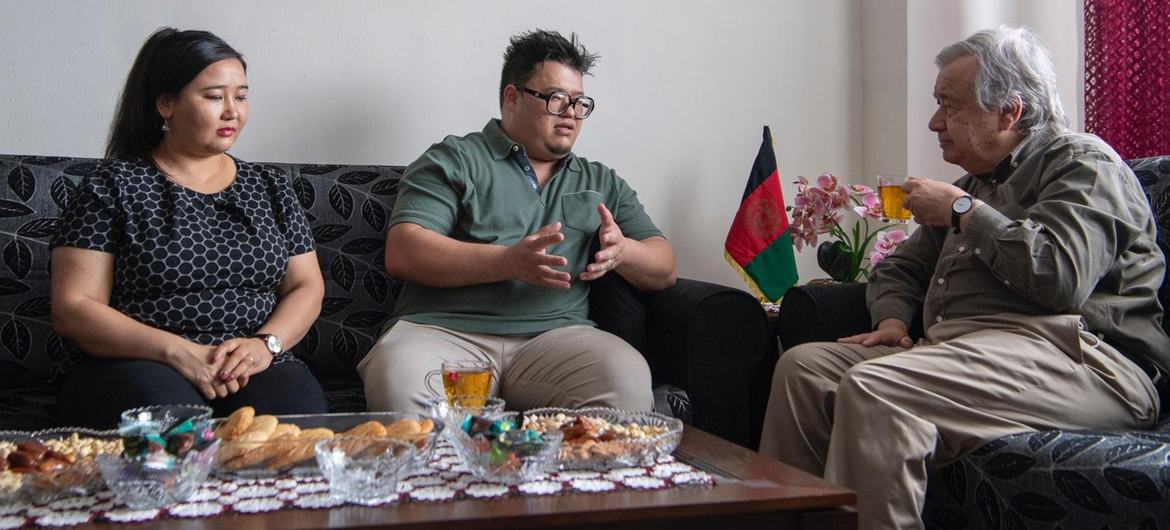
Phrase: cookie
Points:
(404, 428)
(292, 451)
(369, 428)
(236, 424)
(260, 430)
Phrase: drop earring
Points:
(166, 125)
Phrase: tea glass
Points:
(463, 378)
(891, 194)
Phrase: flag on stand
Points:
(758, 245)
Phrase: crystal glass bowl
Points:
(454, 410)
(140, 486)
(424, 443)
(46, 484)
(165, 416)
(600, 438)
(512, 463)
(364, 469)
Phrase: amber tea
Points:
(891, 194)
(467, 379)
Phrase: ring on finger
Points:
(250, 359)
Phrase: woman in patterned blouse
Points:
(183, 272)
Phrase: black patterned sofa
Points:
(702, 341)
(1047, 479)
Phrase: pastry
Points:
(404, 428)
(260, 430)
(369, 428)
(236, 424)
(291, 451)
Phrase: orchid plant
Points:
(819, 209)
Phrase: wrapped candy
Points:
(163, 449)
(502, 439)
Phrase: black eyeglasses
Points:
(559, 102)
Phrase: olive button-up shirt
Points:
(1065, 229)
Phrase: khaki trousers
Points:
(574, 366)
(876, 420)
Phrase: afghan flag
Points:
(758, 245)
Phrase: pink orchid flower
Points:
(871, 206)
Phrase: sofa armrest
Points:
(708, 339)
(817, 313)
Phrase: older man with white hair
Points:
(1037, 275)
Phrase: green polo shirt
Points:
(475, 188)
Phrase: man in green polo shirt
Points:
(492, 234)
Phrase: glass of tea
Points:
(891, 194)
(463, 378)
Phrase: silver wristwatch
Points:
(272, 342)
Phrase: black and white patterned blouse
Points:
(204, 266)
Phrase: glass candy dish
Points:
(165, 416)
(452, 411)
(61, 465)
(599, 438)
(364, 469)
(139, 485)
(514, 461)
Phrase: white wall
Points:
(683, 87)
(935, 23)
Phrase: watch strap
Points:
(956, 215)
(264, 338)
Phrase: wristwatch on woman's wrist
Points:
(272, 342)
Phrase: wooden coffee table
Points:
(751, 491)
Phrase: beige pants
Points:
(575, 366)
(876, 420)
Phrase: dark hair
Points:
(168, 60)
(531, 48)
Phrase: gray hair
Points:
(1012, 62)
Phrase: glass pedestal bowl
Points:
(364, 470)
(513, 462)
(140, 485)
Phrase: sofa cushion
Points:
(32, 194)
(1056, 479)
(347, 207)
(1154, 176)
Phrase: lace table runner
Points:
(445, 479)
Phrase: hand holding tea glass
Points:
(892, 196)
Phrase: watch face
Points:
(273, 343)
(962, 204)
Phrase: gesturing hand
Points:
(611, 238)
(528, 261)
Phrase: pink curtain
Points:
(1127, 75)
